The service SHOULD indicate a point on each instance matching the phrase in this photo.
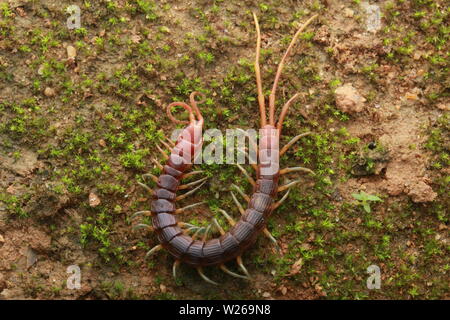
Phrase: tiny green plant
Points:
(364, 199)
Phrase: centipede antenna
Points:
(189, 192)
(280, 68)
(143, 226)
(189, 207)
(191, 184)
(296, 169)
(217, 225)
(140, 213)
(152, 176)
(238, 204)
(249, 178)
(293, 140)
(190, 174)
(145, 187)
(239, 190)
(174, 268)
(284, 111)
(227, 216)
(278, 203)
(287, 186)
(231, 273)
(195, 102)
(262, 107)
(153, 250)
(204, 277)
(159, 165)
(243, 268)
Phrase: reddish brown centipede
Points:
(230, 245)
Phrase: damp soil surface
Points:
(82, 112)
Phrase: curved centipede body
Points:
(230, 245)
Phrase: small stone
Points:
(71, 52)
(31, 257)
(163, 288)
(443, 106)
(2, 282)
(102, 143)
(348, 99)
(94, 200)
(349, 13)
(49, 92)
(266, 294)
(41, 70)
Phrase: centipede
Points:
(175, 236)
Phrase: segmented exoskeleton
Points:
(230, 245)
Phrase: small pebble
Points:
(49, 92)
(71, 52)
(94, 200)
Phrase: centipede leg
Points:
(231, 221)
(247, 156)
(168, 140)
(165, 144)
(152, 176)
(178, 211)
(145, 187)
(217, 225)
(189, 192)
(239, 190)
(295, 169)
(289, 185)
(143, 226)
(159, 165)
(191, 184)
(190, 174)
(204, 277)
(293, 140)
(164, 154)
(153, 250)
(231, 273)
(249, 178)
(278, 203)
(238, 204)
(140, 213)
(174, 268)
(241, 265)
